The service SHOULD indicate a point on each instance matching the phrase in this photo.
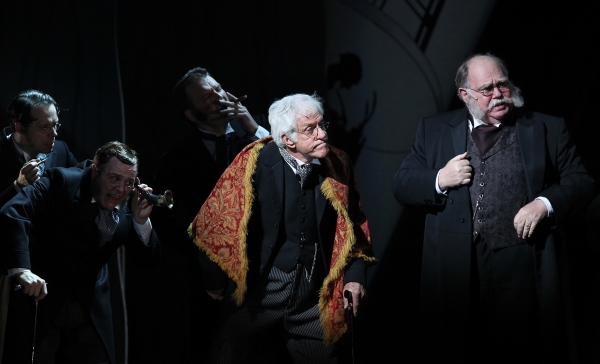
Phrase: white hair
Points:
(283, 115)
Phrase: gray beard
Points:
(475, 110)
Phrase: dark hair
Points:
(462, 75)
(120, 150)
(180, 96)
(19, 110)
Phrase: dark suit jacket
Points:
(552, 170)
(11, 163)
(50, 229)
(190, 172)
(266, 223)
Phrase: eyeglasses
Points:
(46, 128)
(116, 181)
(312, 132)
(489, 91)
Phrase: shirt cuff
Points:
(260, 133)
(12, 271)
(437, 185)
(144, 231)
(548, 205)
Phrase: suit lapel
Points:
(458, 130)
(200, 151)
(273, 165)
(532, 150)
(320, 200)
(50, 160)
(273, 170)
(85, 209)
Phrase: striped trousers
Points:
(287, 302)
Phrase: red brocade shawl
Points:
(221, 227)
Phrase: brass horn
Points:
(165, 200)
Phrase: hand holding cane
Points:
(349, 311)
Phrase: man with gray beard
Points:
(496, 182)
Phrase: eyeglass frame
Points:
(492, 87)
(323, 125)
(46, 129)
(117, 180)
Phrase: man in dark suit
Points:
(286, 237)
(30, 138)
(222, 127)
(497, 183)
(57, 236)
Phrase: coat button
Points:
(481, 184)
(460, 219)
(475, 233)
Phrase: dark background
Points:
(552, 54)
(268, 49)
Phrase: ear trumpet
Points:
(165, 200)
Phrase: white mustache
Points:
(502, 101)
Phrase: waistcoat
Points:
(498, 191)
(300, 223)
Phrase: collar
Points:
(289, 159)
(117, 208)
(476, 122)
(26, 156)
(229, 130)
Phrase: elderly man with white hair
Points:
(286, 236)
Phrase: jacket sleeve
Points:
(569, 186)
(414, 182)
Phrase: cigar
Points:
(240, 99)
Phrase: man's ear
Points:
(288, 142)
(465, 94)
(189, 114)
(19, 128)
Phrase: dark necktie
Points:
(485, 136)
(222, 147)
(107, 221)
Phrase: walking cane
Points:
(34, 330)
(17, 287)
(350, 321)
